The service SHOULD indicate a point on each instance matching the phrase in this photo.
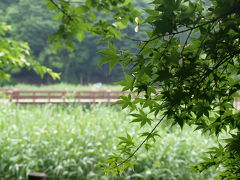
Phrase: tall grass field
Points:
(67, 142)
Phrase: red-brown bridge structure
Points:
(59, 97)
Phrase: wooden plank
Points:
(66, 102)
(39, 91)
(42, 96)
(35, 97)
(37, 176)
(97, 97)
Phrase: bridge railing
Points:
(57, 97)
(43, 96)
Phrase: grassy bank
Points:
(67, 143)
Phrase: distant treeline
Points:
(32, 22)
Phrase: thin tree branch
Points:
(184, 45)
(143, 142)
(202, 78)
(234, 10)
(60, 9)
(138, 40)
(165, 48)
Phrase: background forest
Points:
(33, 23)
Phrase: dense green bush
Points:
(67, 142)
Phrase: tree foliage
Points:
(191, 80)
(33, 23)
(14, 55)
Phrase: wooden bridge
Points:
(59, 97)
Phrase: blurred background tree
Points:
(14, 55)
(33, 23)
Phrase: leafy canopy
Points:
(13, 54)
(30, 18)
(185, 72)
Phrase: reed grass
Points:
(68, 141)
